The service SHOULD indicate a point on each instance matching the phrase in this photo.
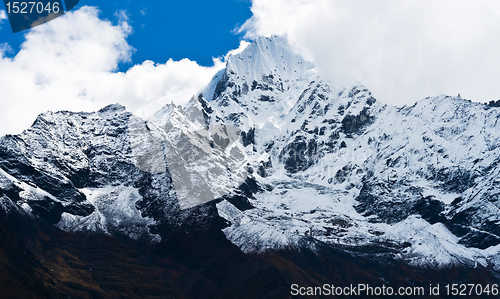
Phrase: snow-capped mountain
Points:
(345, 169)
(325, 166)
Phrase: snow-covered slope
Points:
(345, 169)
(326, 166)
(77, 171)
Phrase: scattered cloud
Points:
(243, 45)
(3, 17)
(401, 50)
(71, 64)
(5, 48)
(143, 11)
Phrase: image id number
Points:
(32, 7)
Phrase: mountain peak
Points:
(268, 63)
(268, 56)
(113, 108)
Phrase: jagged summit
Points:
(268, 56)
(113, 107)
(264, 80)
(269, 60)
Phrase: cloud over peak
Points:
(402, 50)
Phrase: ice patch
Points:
(116, 211)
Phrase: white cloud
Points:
(402, 50)
(243, 45)
(71, 64)
(3, 17)
(5, 48)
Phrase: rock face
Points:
(327, 168)
(76, 171)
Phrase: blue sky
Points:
(194, 29)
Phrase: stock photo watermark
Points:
(24, 15)
(362, 289)
(204, 163)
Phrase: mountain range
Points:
(320, 185)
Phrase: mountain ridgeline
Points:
(336, 184)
